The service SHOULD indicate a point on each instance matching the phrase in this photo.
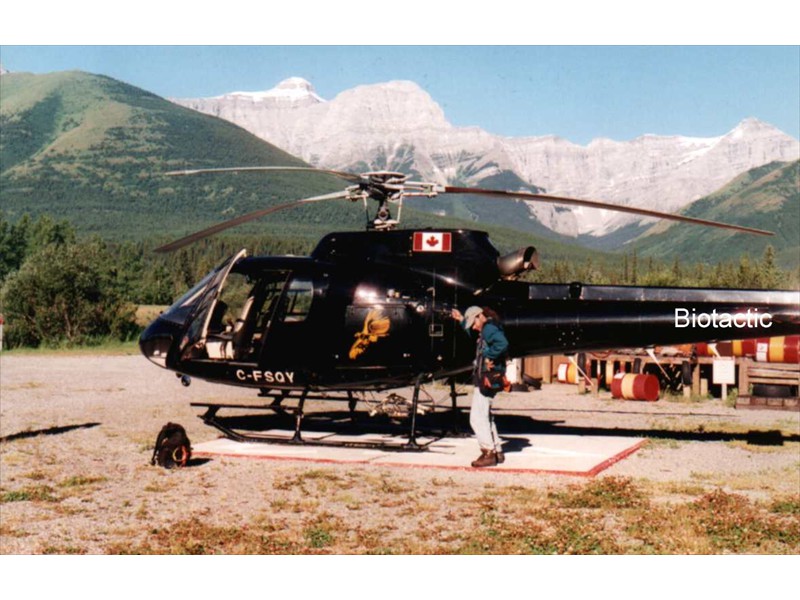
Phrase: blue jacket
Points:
(493, 345)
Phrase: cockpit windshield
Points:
(182, 308)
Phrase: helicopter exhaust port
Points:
(515, 264)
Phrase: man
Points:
(490, 355)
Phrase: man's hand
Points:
(456, 314)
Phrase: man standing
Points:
(490, 357)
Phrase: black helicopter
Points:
(371, 310)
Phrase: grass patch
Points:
(733, 524)
(662, 442)
(104, 347)
(320, 479)
(73, 550)
(610, 515)
(606, 492)
(787, 506)
(318, 537)
(195, 537)
(691, 399)
(39, 493)
(80, 481)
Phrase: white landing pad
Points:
(533, 453)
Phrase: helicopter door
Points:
(287, 334)
(208, 315)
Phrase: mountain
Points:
(397, 125)
(94, 150)
(767, 197)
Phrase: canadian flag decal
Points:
(432, 241)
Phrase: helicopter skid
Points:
(386, 442)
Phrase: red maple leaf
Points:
(432, 241)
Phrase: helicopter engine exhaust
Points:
(515, 264)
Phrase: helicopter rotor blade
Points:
(343, 174)
(214, 229)
(602, 205)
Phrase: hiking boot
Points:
(487, 459)
(501, 458)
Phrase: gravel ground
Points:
(81, 428)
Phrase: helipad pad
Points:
(535, 453)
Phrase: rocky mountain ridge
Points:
(397, 125)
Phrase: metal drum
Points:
(630, 386)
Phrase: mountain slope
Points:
(767, 197)
(94, 150)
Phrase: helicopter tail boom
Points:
(569, 318)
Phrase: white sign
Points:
(724, 371)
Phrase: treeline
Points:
(747, 273)
(58, 288)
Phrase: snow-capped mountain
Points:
(397, 125)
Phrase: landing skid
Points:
(412, 444)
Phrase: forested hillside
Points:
(766, 198)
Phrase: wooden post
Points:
(696, 379)
(744, 377)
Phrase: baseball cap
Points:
(471, 314)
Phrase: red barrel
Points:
(630, 386)
(567, 373)
(609, 374)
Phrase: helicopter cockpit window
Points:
(229, 316)
(182, 307)
(232, 306)
(202, 307)
(298, 300)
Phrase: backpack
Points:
(172, 448)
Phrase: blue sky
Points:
(575, 92)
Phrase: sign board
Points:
(724, 371)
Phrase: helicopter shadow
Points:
(444, 424)
(702, 433)
(49, 431)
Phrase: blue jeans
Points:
(482, 422)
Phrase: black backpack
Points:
(173, 448)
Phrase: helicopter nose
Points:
(156, 341)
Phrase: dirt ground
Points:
(76, 436)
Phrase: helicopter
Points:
(371, 310)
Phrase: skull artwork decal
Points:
(376, 326)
